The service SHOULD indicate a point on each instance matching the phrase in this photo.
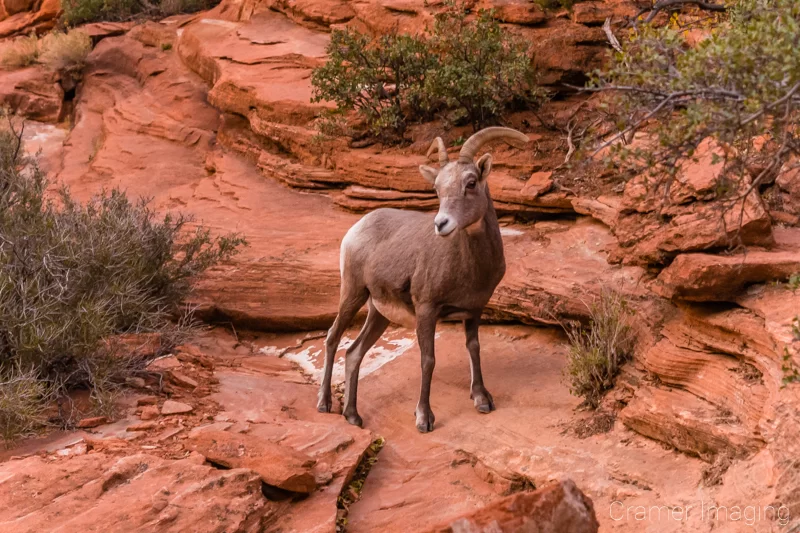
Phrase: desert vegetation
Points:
(738, 89)
(83, 11)
(62, 52)
(598, 349)
(467, 70)
(74, 277)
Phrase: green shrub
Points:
(82, 11)
(21, 52)
(469, 69)
(381, 78)
(73, 275)
(481, 69)
(597, 351)
(739, 87)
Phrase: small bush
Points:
(794, 282)
(468, 69)
(21, 52)
(65, 52)
(74, 275)
(481, 68)
(381, 78)
(597, 351)
(23, 398)
(82, 11)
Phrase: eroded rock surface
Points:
(558, 507)
(137, 492)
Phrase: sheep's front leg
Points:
(426, 331)
(478, 393)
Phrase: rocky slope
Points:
(219, 124)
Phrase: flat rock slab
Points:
(172, 407)
(92, 422)
(278, 466)
(707, 277)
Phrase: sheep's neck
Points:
(483, 237)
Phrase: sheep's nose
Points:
(440, 223)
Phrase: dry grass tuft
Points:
(597, 351)
(23, 401)
(21, 52)
(65, 52)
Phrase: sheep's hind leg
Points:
(350, 301)
(373, 328)
(481, 398)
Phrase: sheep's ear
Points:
(485, 165)
(429, 173)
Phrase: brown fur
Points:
(399, 263)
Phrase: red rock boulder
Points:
(556, 508)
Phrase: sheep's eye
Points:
(471, 184)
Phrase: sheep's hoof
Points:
(483, 401)
(324, 405)
(425, 420)
(354, 419)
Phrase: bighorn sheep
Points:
(414, 268)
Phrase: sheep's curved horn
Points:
(475, 142)
(438, 144)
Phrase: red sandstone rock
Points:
(721, 381)
(538, 184)
(100, 30)
(143, 426)
(314, 13)
(688, 423)
(172, 407)
(555, 508)
(593, 13)
(695, 228)
(164, 364)
(134, 493)
(22, 21)
(788, 183)
(32, 92)
(149, 412)
(277, 465)
(92, 422)
(182, 380)
(12, 7)
(604, 208)
(714, 278)
(521, 12)
(695, 218)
